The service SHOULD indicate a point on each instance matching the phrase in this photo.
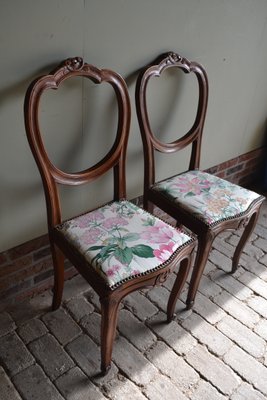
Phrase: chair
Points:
(205, 204)
(118, 247)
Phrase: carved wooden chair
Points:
(118, 247)
(204, 203)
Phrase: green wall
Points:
(229, 37)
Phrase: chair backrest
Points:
(193, 136)
(115, 157)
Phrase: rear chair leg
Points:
(109, 311)
(58, 261)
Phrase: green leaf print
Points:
(125, 255)
(142, 250)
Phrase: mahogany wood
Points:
(53, 176)
(193, 137)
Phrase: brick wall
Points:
(27, 269)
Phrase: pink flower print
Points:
(164, 252)
(85, 220)
(114, 222)
(158, 233)
(113, 270)
(195, 185)
(90, 236)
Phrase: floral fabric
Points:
(121, 241)
(209, 198)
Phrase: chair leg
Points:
(203, 250)
(178, 286)
(58, 261)
(243, 240)
(109, 311)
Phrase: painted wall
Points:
(229, 37)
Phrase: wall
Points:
(229, 37)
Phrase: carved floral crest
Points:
(74, 64)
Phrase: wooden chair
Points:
(118, 247)
(205, 204)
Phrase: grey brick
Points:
(207, 334)
(254, 283)
(33, 384)
(237, 309)
(7, 324)
(93, 298)
(79, 308)
(168, 363)
(14, 354)
(261, 328)
(52, 357)
(257, 267)
(247, 392)
(159, 296)
(233, 240)
(254, 250)
(261, 244)
(32, 308)
(209, 268)
(75, 287)
(32, 330)
(75, 385)
(209, 288)
(86, 354)
(220, 260)
(231, 285)
(139, 305)
(173, 334)
(91, 324)
(205, 391)
(122, 388)
(263, 260)
(8, 391)
(225, 245)
(136, 332)
(248, 368)
(163, 388)
(62, 326)
(207, 309)
(134, 365)
(242, 336)
(213, 370)
(261, 231)
(258, 304)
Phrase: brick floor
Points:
(216, 351)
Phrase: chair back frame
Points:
(115, 158)
(194, 136)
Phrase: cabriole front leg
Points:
(178, 286)
(249, 226)
(203, 250)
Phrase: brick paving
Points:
(218, 350)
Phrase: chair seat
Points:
(207, 197)
(122, 241)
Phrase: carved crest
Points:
(74, 64)
(174, 58)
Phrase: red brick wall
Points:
(27, 269)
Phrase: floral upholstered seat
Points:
(122, 241)
(209, 198)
